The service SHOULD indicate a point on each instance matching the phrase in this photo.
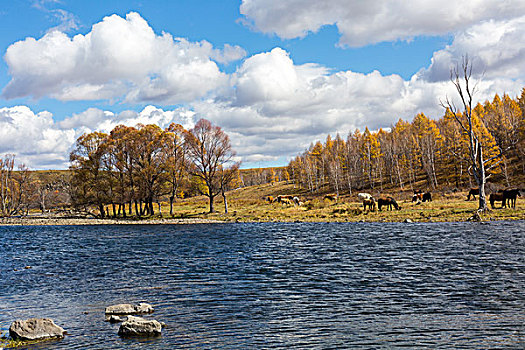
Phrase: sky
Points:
(276, 75)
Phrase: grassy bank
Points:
(248, 205)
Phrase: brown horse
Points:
(370, 203)
(496, 197)
(473, 192)
(388, 202)
(510, 197)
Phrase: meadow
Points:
(249, 205)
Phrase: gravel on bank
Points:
(41, 221)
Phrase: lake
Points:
(273, 285)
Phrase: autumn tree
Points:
(429, 143)
(209, 150)
(176, 161)
(455, 150)
(370, 153)
(89, 179)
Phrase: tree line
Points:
(127, 172)
(22, 190)
(132, 168)
(436, 150)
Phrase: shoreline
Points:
(64, 221)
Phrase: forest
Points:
(433, 150)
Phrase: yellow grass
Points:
(248, 205)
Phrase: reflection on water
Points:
(445, 285)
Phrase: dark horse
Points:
(510, 196)
(496, 197)
(388, 202)
(473, 192)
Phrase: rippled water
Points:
(452, 285)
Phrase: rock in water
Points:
(129, 309)
(120, 309)
(35, 329)
(143, 308)
(138, 326)
(113, 319)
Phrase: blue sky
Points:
(276, 75)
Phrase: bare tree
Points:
(14, 187)
(210, 150)
(461, 76)
(227, 177)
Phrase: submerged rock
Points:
(129, 309)
(138, 326)
(113, 319)
(143, 308)
(36, 329)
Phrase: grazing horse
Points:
(427, 197)
(331, 197)
(473, 192)
(388, 202)
(510, 196)
(286, 201)
(370, 203)
(284, 196)
(417, 197)
(365, 197)
(497, 197)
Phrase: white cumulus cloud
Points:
(120, 58)
(34, 137)
(366, 22)
(496, 48)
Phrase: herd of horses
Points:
(507, 197)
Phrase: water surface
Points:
(273, 285)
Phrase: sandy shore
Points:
(39, 221)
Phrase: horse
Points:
(473, 192)
(370, 203)
(286, 201)
(427, 197)
(331, 197)
(417, 197)
(388, 202)
(497, 197)
(270, 199)
(364, 197)
(510, 196)
(284, 196)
